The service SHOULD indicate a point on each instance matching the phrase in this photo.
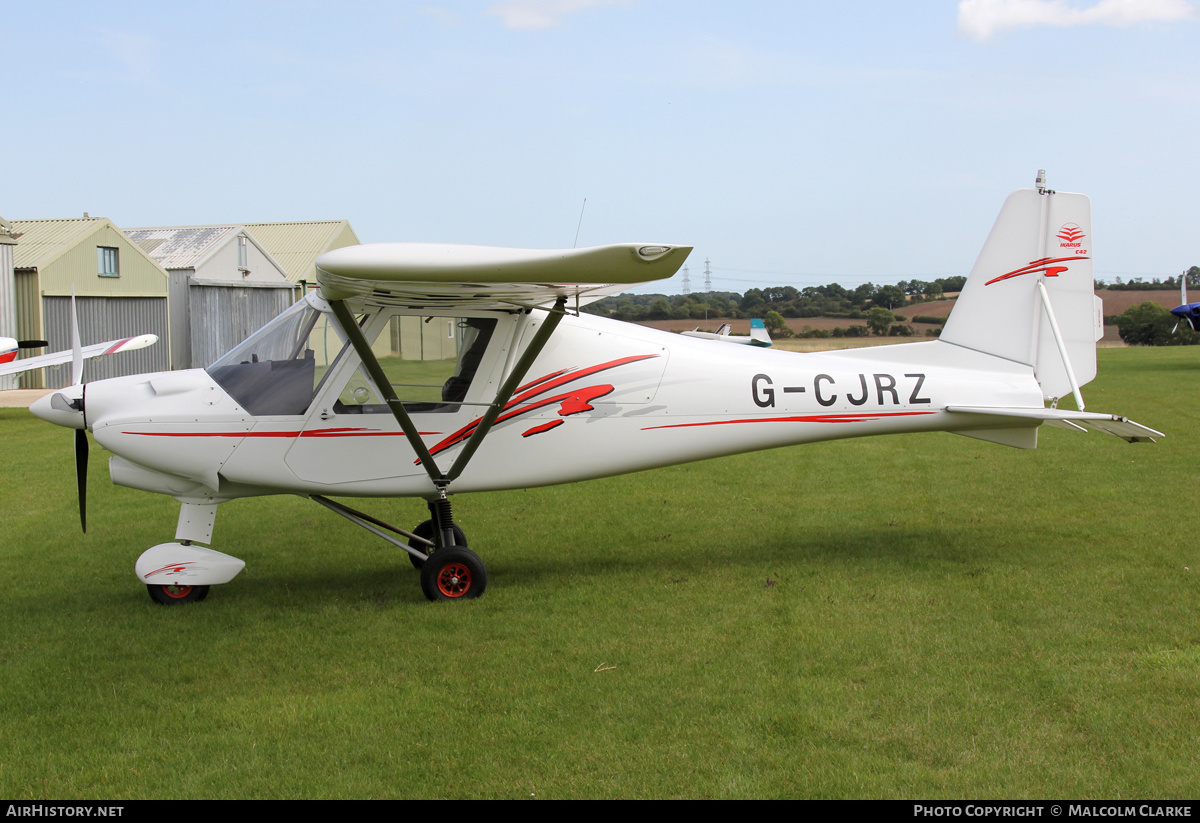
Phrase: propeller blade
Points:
(81, 461)
(76, 349)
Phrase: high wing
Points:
(94, 350)
(436, 276)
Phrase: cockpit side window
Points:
(431, 365)
(278, 369)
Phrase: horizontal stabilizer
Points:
(1122, 427)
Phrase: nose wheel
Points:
(177, 595)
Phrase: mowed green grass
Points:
(917, 616)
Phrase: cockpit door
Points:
(444, 368)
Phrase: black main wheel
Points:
(177, 595)
(426, 530)
(453, 573)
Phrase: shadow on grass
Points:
(379, 580)
(890, 548)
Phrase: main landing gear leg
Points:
(448, 572)
(430, 530)
(452, 572)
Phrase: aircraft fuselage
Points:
(602, 398)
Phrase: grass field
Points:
(921, 616)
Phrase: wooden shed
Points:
(223, 286)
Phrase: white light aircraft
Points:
(541, 394)
(759, 336)
(9, 348)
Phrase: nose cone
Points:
(62, 408)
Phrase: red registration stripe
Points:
(816, 418)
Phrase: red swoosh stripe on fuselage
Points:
(543, 384)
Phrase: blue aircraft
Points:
(1187, 311)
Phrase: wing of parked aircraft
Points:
(8, 349)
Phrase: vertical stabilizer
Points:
(1030, 297)
(759, 336)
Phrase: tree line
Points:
(1155, 284)
(832, 300)
(1145, 324)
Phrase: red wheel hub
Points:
(454, 580)
(177, 592)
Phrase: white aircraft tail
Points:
(1030, 297)
(759, 334)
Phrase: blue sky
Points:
(790, 142)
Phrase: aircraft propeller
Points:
(81, 438)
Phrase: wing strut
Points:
(385, 388)
(365, 520)
(507, 389)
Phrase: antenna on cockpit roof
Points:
(576, 243)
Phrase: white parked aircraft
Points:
(759, 336)
(541, 394)
(9, 348)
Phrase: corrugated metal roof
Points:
(296, 246)
(181, 247)
(40, 242)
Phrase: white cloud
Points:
(543, 14)
(980, 19)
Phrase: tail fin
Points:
(758, 333)
(1030, 297)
